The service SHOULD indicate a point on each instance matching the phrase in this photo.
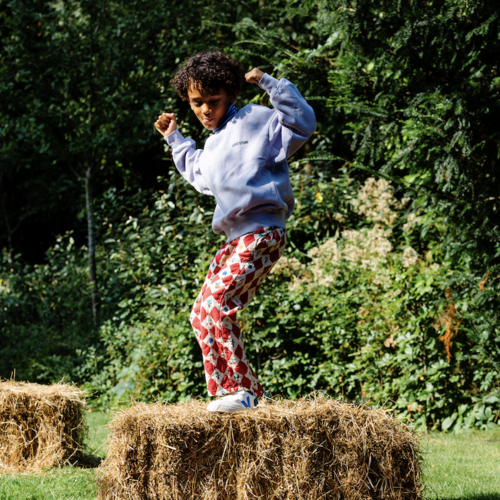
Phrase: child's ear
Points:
(233, 96)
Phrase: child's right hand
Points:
(166, 124)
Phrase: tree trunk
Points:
(91, 241)
(6, 220)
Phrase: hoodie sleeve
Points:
(187, 160)
(293, 121)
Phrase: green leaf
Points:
(448, 422)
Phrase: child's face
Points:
(210, 109)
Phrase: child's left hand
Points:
(254, 76)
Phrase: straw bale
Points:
(40, 425)
(309, 449)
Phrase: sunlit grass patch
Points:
(66, 483)
(463, 466)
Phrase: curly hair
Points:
(208, 71)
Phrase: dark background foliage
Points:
(406, 93)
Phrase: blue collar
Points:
(230, 113)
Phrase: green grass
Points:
(463, 466)
(458, 467)
(65, 483)
(98, 432)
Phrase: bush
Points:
(367, 314)
(46, 320)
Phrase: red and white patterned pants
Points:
(234, 275)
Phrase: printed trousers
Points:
(234, 276)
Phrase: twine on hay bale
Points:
(40, 425)
(306, 449)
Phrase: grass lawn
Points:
(465, 466)
(66, 483)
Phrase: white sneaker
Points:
(235, 401)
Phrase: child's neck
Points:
(229, 114)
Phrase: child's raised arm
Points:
(294, 122)
(186, 156)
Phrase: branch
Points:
(78, 176)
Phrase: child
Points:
(244, 167)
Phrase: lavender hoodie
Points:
(244, 164)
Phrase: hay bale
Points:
(307, 449)
(40, 425)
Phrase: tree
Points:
(92, 74)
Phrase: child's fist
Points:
(166, 124)
(254, 76)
